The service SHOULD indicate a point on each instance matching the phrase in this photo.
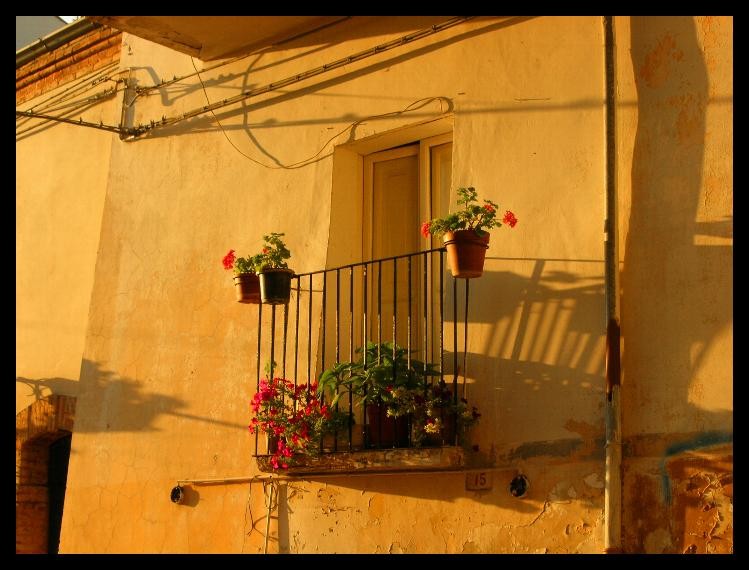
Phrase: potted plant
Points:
(441, 418)
(386, 387)
(246, 281)
(465, 232)
(292, 417)
(275, 275)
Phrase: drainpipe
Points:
(54, 40)
(613, 488)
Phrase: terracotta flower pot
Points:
(247, 288)
(384, 431)
(275, 286)
(466, 251)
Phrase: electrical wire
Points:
(143, 129)
(307, 161)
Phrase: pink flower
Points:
(510, 219)
(425, 229)
(228, 260)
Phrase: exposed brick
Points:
(48, 71)
(36, 427)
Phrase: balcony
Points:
(393, 319)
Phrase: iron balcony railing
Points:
(344, 308)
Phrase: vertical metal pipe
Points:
(613, 483)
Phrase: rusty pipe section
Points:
(613, 487)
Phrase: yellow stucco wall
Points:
(676, 229)
(169, 358)
(61, 179)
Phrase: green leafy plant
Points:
(472, 216)
(380, 376)
(273, 255)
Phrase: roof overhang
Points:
(216, 37)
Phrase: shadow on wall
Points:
(677, 282)
(123, 404)
(543, 342)
(678, 292)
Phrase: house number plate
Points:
(479, 481)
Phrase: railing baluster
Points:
(351, 348)
(364, 346)
(259, 340)
(455, 342)
(272, 341)
(324, 321)
(285, 325)
(395, 340)
(379, 308)
(296, 337)
(337, 315)
(465, 340)
(309, 335)
(426, 316)
(442, 317)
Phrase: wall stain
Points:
(656, 68)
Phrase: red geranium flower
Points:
(425, 229)
(228, 259)
(510, 219)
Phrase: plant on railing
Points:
(293, 418)
(439, 416)
(381, 375)
(273, 255)
(387, 387)
(472, 216)
(275, 275)
(465, 232)
(246, 282)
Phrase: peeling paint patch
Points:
(594, 480)
(706, 439)
(470, 547)
(658, 541)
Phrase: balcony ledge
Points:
(446, 458)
